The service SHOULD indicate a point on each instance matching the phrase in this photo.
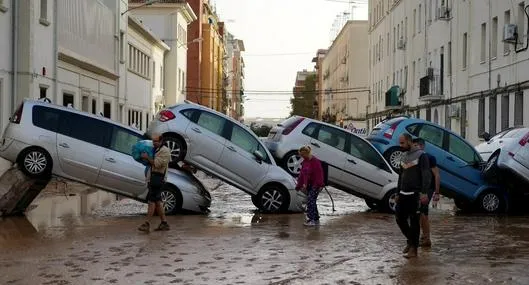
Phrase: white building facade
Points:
(345, 80)
(168, 21)
(446, 61)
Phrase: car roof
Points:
(330, 125)
(410, 121)
(188, 103)
(34, 102)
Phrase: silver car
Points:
(45, 139)
(508, 150)
(228, 150)
(355, 166)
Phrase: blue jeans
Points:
(312, 207)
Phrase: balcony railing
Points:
(431, 88)
(393, 98)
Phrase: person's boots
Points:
(411, 253)
(406, 249)
(425, 242)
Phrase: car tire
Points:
(292, 163)
(255, 201)
(393, 156)
(172, 199)
(273, 199)
(371, 203)
(177, 146)
(491, 169)
(35, 162)
(491, 202)
(389, 202)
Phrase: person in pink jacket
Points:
(310, 181)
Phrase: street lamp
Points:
(148, 3)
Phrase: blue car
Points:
(459, 163)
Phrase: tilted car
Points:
(45, 139)
(228, 150)
(508, 150)
(459, 163)
(355, 166)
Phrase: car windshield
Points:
(286, 123)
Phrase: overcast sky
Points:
(280, 37)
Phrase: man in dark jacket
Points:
(413, 186)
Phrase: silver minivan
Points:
(45, 139)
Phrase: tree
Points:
(303, 101)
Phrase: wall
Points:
(5, 63)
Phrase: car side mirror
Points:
(486, 136)
(258, 156)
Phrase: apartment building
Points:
(461, 64)
(345, 81)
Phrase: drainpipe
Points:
(490, 46)
(14, 4)
(55, 52)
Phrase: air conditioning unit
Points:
(444, 13)
(401, 44)
(454, 111)
(429, 72)
(510, 33)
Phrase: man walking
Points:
(433, 193)
(159, 163)
(413, 186)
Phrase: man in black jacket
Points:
(413, 186)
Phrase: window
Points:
(211, 122)
(243, 139)
(43, 91)
(413, 129)
(494, 40)
(413, 75)
(162, 77)
(153, 78)
(459, 148)
(507, 20)
(67, 99)
(429, 114)
(333, 137)
(122, 46)
(483, 42)
(3, 8)
(518, 108)
(406, 28)
(432, 135)
(481, 116)
(492, 115)
(429, 8)
(93, 131)
(463, 120)
(43, 10)
(123, 140)
(505, 100)
(449, 58)
(46, 118)
(521, 22)
(362, 150)
(107, 113)
(139, 62)
(84, 104)
(94, 106)
(310, 130)
(414, 22)
(188, 113)
(464, 52)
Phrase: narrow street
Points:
(88, 238)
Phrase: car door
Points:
(329, 146)
(238, 162)
(522, 155)
(119, 171)
(82, 142)
(206, 141)
(365, 169)
(460, 167)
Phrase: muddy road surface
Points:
(89, 237)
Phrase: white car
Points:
(508, 150)
(355, 166)
(45, 139)
(228, 150)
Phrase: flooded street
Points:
(89, 237)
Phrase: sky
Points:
(280, 37)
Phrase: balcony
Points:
(430, 88)
(157, 1)
(393, 98)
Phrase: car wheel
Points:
(490, 172)
(394, 156)
(372, 204)
(36, 163)
(491, 202)
(171, 199)
(292, 163)
(389, 203)
(273, 199)
(177, 147)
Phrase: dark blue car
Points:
(459, 163)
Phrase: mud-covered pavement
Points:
(67, 239)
